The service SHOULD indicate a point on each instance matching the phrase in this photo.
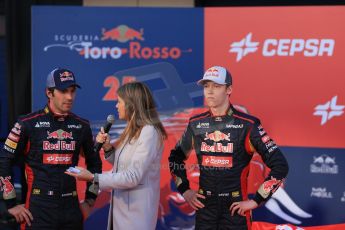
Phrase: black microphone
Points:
(106, 127)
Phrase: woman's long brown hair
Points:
(140, 110)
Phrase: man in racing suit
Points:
(224, 140)
(50, 140)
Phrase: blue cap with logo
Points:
(217, 74)
(61, 79)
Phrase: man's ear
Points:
(49, 93)
(229, 90)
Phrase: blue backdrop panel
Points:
(315, 184)
(96, 43)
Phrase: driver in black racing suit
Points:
(50, 140)
(224, 140)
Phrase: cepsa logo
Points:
(283, 47)
(101, 46)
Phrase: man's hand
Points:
(21, 214)
(86, 208)
(191, 197)
(242, 207)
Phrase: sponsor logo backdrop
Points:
(286, 65)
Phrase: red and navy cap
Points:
(61, 79)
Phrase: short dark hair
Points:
(50, 90)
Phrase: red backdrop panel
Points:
(285, 62)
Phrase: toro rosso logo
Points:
(100, 45)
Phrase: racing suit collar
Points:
(55, 116)
(229, 111)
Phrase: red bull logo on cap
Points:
(66, 76)
(212, 72)
(60, 135)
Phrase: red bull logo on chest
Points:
(217, 148)
(217, 136)
(60, 135)
(59, 145)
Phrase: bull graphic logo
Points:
(319, 160)
(7, 188)
(122, 34)
(60, 135)
(217, 136)
(66, 76)
(269, 185)
(330, 160)
(324, 159)
(324, 164)
(281, 197)
(212, 73)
